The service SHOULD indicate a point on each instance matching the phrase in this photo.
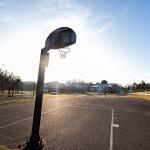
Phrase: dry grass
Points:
(135, 95)
(20, 99)
(59, 95)
(14, 101)
(141, 95)
(6, 148)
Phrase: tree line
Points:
(140, 86)
(9, 82)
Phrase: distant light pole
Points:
(59, 38)
(22, 88)
(34, 88)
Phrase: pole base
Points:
(30, 146)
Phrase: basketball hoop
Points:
(63, 52)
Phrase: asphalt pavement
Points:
(80, 123)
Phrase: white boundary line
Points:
(76, 105)
(13, 123)
(112, 121)
(16, 122)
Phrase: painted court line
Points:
(85, 107)
(112, 118)
(112, 122)
(16, 122)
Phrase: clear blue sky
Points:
(113, 39)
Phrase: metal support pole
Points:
(35, 142)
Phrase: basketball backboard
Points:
(60, 38)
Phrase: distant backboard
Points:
(60, 38)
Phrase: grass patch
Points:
(60, 95)
(15, 100)
(141, 95)
(136, 95)
(6, 148)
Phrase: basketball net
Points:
(63, 52)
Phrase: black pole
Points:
(35, 142)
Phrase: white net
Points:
(63, 52)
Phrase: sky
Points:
(113, 39)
